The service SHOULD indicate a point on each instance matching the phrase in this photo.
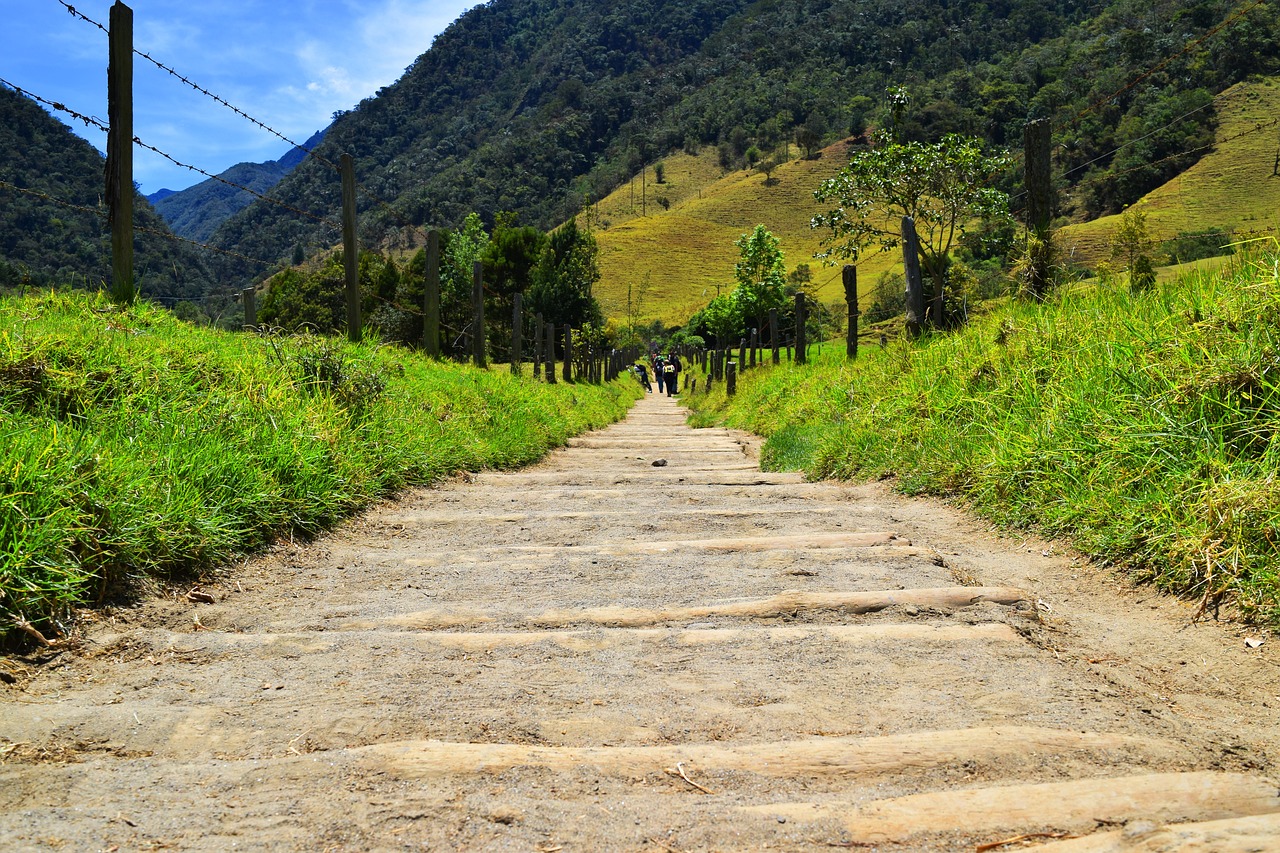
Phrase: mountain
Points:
(196, 212)
(53, 225)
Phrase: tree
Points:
(565, 278)
(760, 273)
(942, 186)
(1131, 244)
(809, 135)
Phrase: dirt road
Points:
(605, 652)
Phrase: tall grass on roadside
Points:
(135, 447)
(1143, 427)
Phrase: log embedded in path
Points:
(698, 654)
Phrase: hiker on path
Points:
(643, 373)
(672, 370)
(659, 373)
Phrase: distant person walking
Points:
(643, 373)
(672, 371)
(659, 372)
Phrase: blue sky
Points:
(288, 63)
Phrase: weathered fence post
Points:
(549, 335)
(119, 188)
(250, 308)
(742, 352)
(350, 251)
(850, 276)
(1036, 143)
(517, 334)
(431, 297)
(568, 353)
(915, 285)
(802, 354)
(731, 378)
(477, 309)
(773, 334)
(537, 346)
(755, 345)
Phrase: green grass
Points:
(1143, 428)
(135, 448)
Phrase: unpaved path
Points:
(601, 654)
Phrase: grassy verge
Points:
(134, 447)
(1143, 428)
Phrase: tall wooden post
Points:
(773, 334)
(350, 251)
(517, 334)
(568, 353)
(915, 285)
(549, 335)
(431, 297)
(755, 345)
(731, 378)
(119, 189)
(850, 277)
(250, 308)
(537, 346)
(1037, 143)
(477, 309)
(801, 341)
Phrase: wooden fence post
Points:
(517, 334)
(568, 353)
(477, 308)
(755, 345)
(742, 352)
(731, 378)
(119, 188)
(915, 285)
(773, 334)
(250, 308)
(537, 346)
(1036, 143)
(850, 276)
(431, 297)
(801, 342)
(350, 250)
(549, 335)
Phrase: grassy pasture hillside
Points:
(1234, 186)
(673, 259)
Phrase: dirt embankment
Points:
(603, 654)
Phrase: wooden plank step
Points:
(1073, 806)
(1253, 834)
(862, 757)
(788, 603)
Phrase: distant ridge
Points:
(196, 212)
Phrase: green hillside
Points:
(52, 227)
(1235, 186)
(543, 107)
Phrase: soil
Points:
(602, 652)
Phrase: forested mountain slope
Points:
(539, 106)
(43, 241)
(197, 211)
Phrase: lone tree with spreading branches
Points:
(943, 186)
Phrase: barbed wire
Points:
(169, 235)
(101, 214)
(202, 90)
(1186, 48)
(234, 185)
(78, 14)
(89, 121)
